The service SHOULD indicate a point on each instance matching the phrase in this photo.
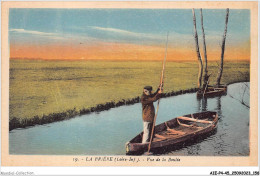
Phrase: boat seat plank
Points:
(170, 133)
(158, 139)
(174, 131)
(160, 136)
(214, 91)
(219, 88)
(188, 126)
(194, 120)
(182, 124)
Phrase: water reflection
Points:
(219, 107)
(204, 104)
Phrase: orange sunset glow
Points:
(120, 51)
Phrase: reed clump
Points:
(45, 119)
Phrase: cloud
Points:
(125, 34)
(109, 34)
(32, 32)
(114, 30)
(47, 36)
(175, 39)
(35, 35)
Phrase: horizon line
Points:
(124, 60)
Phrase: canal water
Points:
(106, 133)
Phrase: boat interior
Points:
(180, 126)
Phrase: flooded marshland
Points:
(106, 133)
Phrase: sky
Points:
(125, 34)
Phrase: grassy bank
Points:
(47, 91)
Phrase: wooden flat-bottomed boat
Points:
(212, 91)
(224, 86)
(175, 131)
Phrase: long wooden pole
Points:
(223, 50)
(161, 83)
(197, 50)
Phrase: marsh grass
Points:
(47, 91)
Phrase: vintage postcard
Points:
(129, 84)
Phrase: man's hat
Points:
(150, 88)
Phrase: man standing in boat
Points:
(148, 113)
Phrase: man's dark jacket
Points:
(147, 106)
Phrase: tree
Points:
(197, 50)
(222, 50)
(205, 79)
